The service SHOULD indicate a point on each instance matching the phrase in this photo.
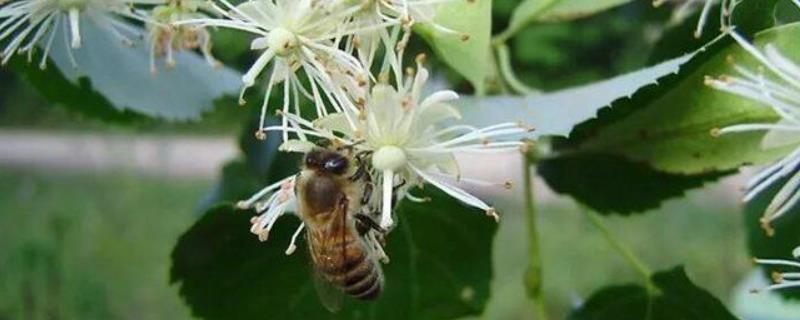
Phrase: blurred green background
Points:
(96, 246)
(94, 243)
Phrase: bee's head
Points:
(323, 160)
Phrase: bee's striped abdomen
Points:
(352, 269)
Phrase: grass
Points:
(97, 247)
(91, 246)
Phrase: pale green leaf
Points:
(121, 73)
(556, 113)
(465, 47)
(556, 10)
(564, 10)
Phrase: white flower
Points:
(379, 22)
(783, 280)
(408, 147)
(686, 8)
(165, 37)
(26, 24)
(781, 91)
(270, 203)
(295, 35)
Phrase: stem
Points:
(507, 72)
(624, 251)
(533, 275)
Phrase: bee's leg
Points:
(363, 154)
(361, 172)
(396, 197)
(367, 194)
(402, 183)
(367, 223)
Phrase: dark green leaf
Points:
(629, 302)
(677, 299)
(612, 184)
(262, 162)
(440, 267)
(785, 239)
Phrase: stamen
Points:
(292, 247)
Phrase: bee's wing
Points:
(329, 293)
(330, 296)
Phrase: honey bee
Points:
(332, 190)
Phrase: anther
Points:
(242, 205)
(777, 277)
(261, 135)
(767, 226)
(709, 80)
(491, 212)
(420, 58)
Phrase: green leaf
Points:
(785, 239)
(565, 10)
(556, 10)
(668, 126)
(678, 298)
(556, 113)
(526, 12)
(440, 267)
(611, 184)
(471, 57)
(121, 74)
(77, 96)
(628, 302)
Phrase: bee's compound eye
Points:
(337, 165)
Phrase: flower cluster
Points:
(344, 56)
(403, 132)
(28, 24)
(331, 44)
(780, 90)
(783, 280)
(325, 51)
